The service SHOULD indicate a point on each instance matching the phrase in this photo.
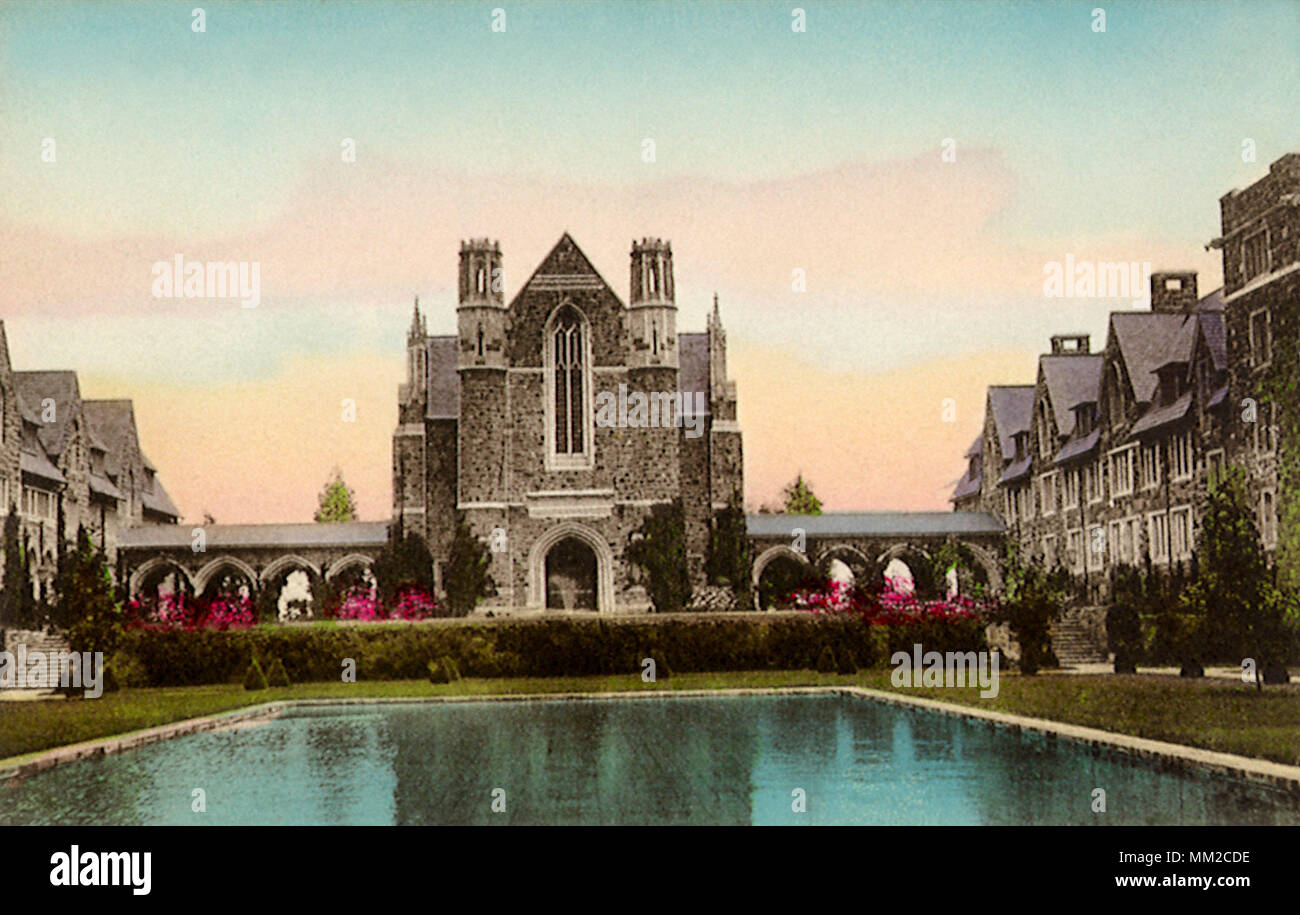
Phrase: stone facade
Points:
(509, 422)
(1106, 459)
(67, 462)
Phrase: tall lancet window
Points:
(567, 376)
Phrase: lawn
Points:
(1214, 714)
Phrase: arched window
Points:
(567, 377)
(480, 280)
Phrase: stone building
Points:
(66, 462)
(557, 421)
(1106, 459)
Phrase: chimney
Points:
(1173, 292)
(1071, 344)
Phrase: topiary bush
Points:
(277, 675)
(254, 679)
(847, 661)
(826, 660)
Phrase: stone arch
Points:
(848, 554)
(604, 564)
(142, 572)
(204, 575)
(285, 563)
(766, 558)
(908, 553)
(347, 562)
(772, 552)
(988, 561)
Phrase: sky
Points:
(918, 164)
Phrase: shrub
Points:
(438, 673)
(848, 662)
(253, 677)
(443, 670)
(826, 660)
(277, 675)
(658, 548)
(539, 647)
(465, 576)
(127, 670)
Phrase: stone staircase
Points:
(1075, 643)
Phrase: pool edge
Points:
(1242, 768)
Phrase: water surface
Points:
(685, 760)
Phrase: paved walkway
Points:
(1107, 667)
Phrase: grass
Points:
(1213, 714)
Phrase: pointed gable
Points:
(566, 275)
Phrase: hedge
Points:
(536, 648)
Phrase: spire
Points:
(717, 319)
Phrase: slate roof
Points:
(869, 524)
(1162, 416)
(1145, 340)
(1071, 380)
(113, 423)
(60, 386)
(1017, 470)
(693, 368)
(443, 379)
(1012, 407)
(102, 486)
(352, 533)
(38, 465)
(1079, 446)
(966, 486)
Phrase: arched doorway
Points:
(571, 577)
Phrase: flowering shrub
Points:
(362, 605)
(180, 611)
(888, 607)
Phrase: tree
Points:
(337, 501)
(404, 564)
(1234, 599)
(659, 548)
(465, 577)
(1033, 597)
(17, 605)
(731, 557)
(1124, 620)
(88, 614)
(799, 498)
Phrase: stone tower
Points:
(652, 311)
(481, 362)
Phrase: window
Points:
(1180, 456)
(1049, 551)
(1093, 490)
(1261, 337)
(1070, 490)
(4, 497)
(1268, 517)
(1180, 520)
(1266, 431)
(1096, 548)
(1115, 537)
(1158, 536)
(1121, 472)
(1150, 466)
(1075, 549)
(1254, 256)
(1044, 432)
(569, 396)
(1214, 464)
(1047, 493)
(38, 504)
(1116, 399)
(1009, 503)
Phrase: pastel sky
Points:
(775, 151)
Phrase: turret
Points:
(481, 312)
(652, 318)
